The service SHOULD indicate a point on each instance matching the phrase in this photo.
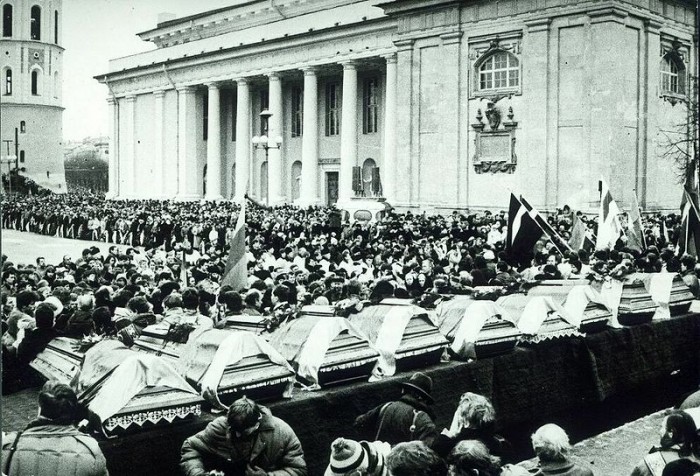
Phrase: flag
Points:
(578, 234)
(236, 271)
(689, 239)
(523, 233)
(544, 225)
(635, 234)
(609, 227)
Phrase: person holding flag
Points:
(609, 227)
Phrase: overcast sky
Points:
(95, 31)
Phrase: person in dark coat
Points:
(36, 340)
(248, 441)
(551, 445)
(407, 419)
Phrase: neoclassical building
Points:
(433, 104)
(30, 96)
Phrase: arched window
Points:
(370, 178)
(35, 23)
(672, 74)
(21, 156)
(296, 180)
(55, 27)
(499, 70)
(35, 82)
(8, 82)
(7, 20)
(23, 127)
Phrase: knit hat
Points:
(346, 457)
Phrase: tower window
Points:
(8, 82)
(21, 156)
(35, 83)
(7, 21)
(55, 27)
(36, 23)
(23, 127)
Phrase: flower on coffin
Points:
(348, 306)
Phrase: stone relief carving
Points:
(494, 141)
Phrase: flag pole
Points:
(639, 212)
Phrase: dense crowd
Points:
(170, 270)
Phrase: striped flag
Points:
(523, 233)
(551, 233)
(609, 227)
(689, 239)
(236, 271)
(635, 234)
(578, 234)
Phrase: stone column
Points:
(113, 148)
(348, 132)
(388, 175)
(275, 158)
(242, 137)
(158, 185)
(214, 144)
(405, 175)
(187, 176)
(128, 165)
(309, 141)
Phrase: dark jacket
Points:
(79, 325)
(276, 450)
(47, 449)
(34, 342)
(497, 445)
(404, 420)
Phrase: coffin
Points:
(644, 296)
(225, 365)
(242, 322)
(129, 392)
(476, 329)
(154, 340)
(60, 360)
(404, 334)
(539, 318)
(325, 350)
(584, 304)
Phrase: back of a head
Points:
(25, 298)
(551, 443)
(57, 401)
(43, 316)
(414, 458)
(681, 429)
(252, 298)
(470, 456)
(85, 302)
(190, 298)
(232, 300)
(138, 305)
(681, 467)
(477, 412)
(243, 413)
(172, 301)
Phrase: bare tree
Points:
(680, 143)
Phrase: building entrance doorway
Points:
(331, 188)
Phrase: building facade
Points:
(31, 97)
(432, 104)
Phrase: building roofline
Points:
(192, 17)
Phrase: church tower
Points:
(30, 94)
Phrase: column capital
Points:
(652, 26)
(111, 100)
(159, 93)
(451, 37)
(310, 70)
(130, 97)
(541, 24)
(390, 58)
(349, 65)
(273, 76)
(213, 85)
(185, 89)
(404, 45)
(240, 81)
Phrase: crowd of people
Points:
(167, 265)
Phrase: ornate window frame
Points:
(484, 47)
(675, 53)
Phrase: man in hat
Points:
(407, 419)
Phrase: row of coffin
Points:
(158, 382)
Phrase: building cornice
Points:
(34, 43)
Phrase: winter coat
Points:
(407, 419)
(562, 468)
(46, 448)
(276, 450)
